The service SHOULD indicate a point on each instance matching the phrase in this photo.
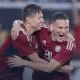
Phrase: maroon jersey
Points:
(24, 47)
(55, 50)
(7, 73)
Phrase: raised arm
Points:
(49, 67)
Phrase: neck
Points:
(29, 29)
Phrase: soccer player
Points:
(23, 44)
(53, 49)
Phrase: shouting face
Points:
(60, 29)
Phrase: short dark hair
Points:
(30, 10)
(59, 15)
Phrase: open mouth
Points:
(61, 38)
(61, 35)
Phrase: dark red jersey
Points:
(55, 50)
(22, 47)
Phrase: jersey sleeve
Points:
(64, 56)
(5, 45)
(24, 47)
(43, 31)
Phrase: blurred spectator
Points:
(76, 21)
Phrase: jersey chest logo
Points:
(58, 48)
(48, 55)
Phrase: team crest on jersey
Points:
(57, 48)
(44, 42)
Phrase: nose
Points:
(63, 31)
(42, 20)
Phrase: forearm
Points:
(36, 63)
(38, 66)
(64, 69)
(39, 60)
(35, 58)
(49, 67)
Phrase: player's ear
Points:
(28, 19)
(51, 27)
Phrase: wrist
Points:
(23, 63)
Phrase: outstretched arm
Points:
(16, 61)
(54, 64)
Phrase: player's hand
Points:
(15, 61)
(70, 44)
(45, 26)
(16, 29)
(66, 69)
(70, 41)
(69, 35)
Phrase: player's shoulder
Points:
(45, 28)
(21, 36)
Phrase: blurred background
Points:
(10, 10)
